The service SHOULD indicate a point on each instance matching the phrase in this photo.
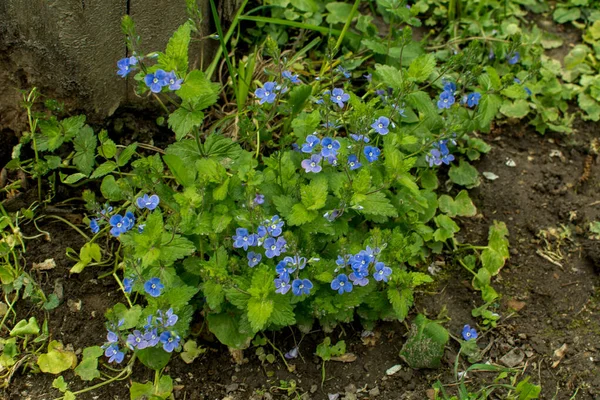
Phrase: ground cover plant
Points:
(323, 200)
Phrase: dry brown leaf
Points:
(47, 264)
(516, 304)
(559, 354)
(347, 358)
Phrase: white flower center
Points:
(330, 146)
(273, 247)
(172, 81)
(153, 286)
(301, 287)
(267, 93)
(370, 154)
(380, 125)
(339, 97)
(245, 238)
(312, 164)
(155, 80)
(341, 283)
(351, 163)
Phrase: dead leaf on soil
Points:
(45, 265)
(430, 394)
(559, 354)
(516, 304)
(237, 355)
(371, 340)
(347, 358)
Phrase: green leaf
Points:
(87, 370)
(517, 109)
(464, 174)
(191, 351)
(401, 300)
(85, 150)
(300, 215)
(305, 124)
(259, 312)
(462, 205)
(446, 228)
(184, 175)
(130, 316)
(298, 97)
(214, 293)
(154, 357)
(176, 54)
(227, 329)
(182, 121)
(140, 391)
(60, 384)
(375, 204)
(527, 391)
(51, 137)
(424, 347)
(24, 327)
(421, 67)
(486, 110)
(103, 169)
(69, 180)
(338, 12)
(314, 195)
(564, 14)
(199, 91)
(57, 359)
(390, 76)
(126, 154)
(110, 190)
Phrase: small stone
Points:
(374, 392)
(232, 387)
(393, 370)
(74, 305)
(314, 388)
(351, 388)
(511, 163)
(513, 358)
(490, 176)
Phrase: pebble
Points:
(374, 392)
(394, 369)
(513, 358)
(232, 387)
(314, 388)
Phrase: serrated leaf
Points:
(69, 180)
(85, 150)
(126, 154)
(184, 175)
(446, 228)
(259, 312)
(110, 190)
(298, 96)
(176, 53)
(421, 67)
(300, 215)
(198, 90)
(314, 195)
(401, 300)
(424, 347)
(338, 12)
(226, 328)
(517, 109)
(390, 76)
(103, 169)
(182, 121)
(375, 204)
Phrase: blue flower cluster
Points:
(268, 236)
(330, 147)
(156, 332)
(121, 224)
(439, 154)
(95, 222)
(337, 95)
(359, 264)
(284, 270)
(126, 65)
(159, 79)
(149, 202)
(447, 98)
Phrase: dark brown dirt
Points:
(560, 301)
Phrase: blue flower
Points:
(151, 337)
(112, 337)
(273, 248)
(332, 216)
(130, 220)
(368, 77)
(517, 80)
(169, 341)
(381, 272)
(106, 211)
(339, 97)
(119, 224)
(446, 100)
(113, 354)
(128, 285)
(141, 228)
(253, 259)
(126, 65)
(449, 86)
(282, 285)
(527, 90)
(381, 125)
(259, 199)
(358, 138)
(136, 340)
(266, 94)
(153, 287)
(358, 280)
(341, 261)
(341, 284)
(473, 99)
(301, 286)
(312, 164)
(513, 58)
(296, 261)
(353, 162)
(440, 154)
(275, 225)
(332, 160)
(149, 202)
(330, 147)
(293, 353)
(361, 260)
(94, 227)
(261, 231)
(469, 333)
(371, 153)
(156, 81)
(311, 142)
(173, 82)
(344, 72)
(283, 271)
(292, 78)
(170, 318)
(242, 239)
(149, 323)
(401, 110)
